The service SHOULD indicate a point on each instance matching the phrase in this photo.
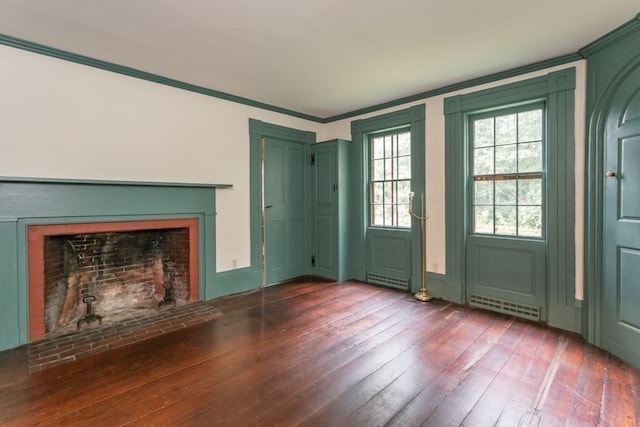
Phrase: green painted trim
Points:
(607, 69)
(138, 74)
(33, 201)
(414, 117)
(611, 37)
(109, 182)
(557, 90)
(235, 281)
(514, 72)
(257, 130)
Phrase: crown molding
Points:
(133, 72)
(610, 37)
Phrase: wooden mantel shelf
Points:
(110, 182)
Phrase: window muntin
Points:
(507, 172)
(390, 179)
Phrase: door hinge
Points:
(335, 187)
(313, 260)
(313, 160)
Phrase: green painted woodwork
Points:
(619, 137)
(285, 213)
(329, 203)
(31, 201)
(359, 255)
(613, 64)
(556, 89)
(257, 131)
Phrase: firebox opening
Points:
(93, 279)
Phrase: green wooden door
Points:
(506, 245)
(621, 287)
(284, 210)
(324, 205)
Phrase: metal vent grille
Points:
(519, 310)
(392, 282)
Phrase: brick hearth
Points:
(57, 350)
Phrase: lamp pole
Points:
(422, 294)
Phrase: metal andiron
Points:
(422, 294)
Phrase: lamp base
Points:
(423, 296)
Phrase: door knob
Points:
(610, 174)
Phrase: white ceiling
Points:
(318, 57)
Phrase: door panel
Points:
(620, 328)
(285, 237)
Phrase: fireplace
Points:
(87, 275)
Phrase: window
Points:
(390, 179)
(507, 172)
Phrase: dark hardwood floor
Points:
(326, 354)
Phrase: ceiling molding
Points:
(611, 37)
(132, 72)
(585, 52)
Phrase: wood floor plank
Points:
(345, 354)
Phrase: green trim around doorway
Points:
(414, 118)
(257, 130)
(556, 89)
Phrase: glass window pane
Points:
(404, 188)
(483, 219)
(530, 191)
(387, 192)
(506, 129)
(378, 170)
(483, 132)
(506, 159)
(388, 168)
(530, 126)
(483, 192)
(483, 161)
(378, 148)
(530, 221)
(388, 215)
(404, 220)
(404, 167)
(388, 146)
(404, 144)
(377, 216)
(506, 192)
(377, 194)
(530, 157)
(506, 217)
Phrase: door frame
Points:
(594, 203)
(257, 130)
(556, 90)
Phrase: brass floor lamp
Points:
(421, 295)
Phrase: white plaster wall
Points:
(435, 164)
(59, 119)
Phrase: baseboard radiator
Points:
(392, 282)
(506, 307)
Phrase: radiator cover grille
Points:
(506, 307)
(392, 282)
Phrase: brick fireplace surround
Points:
(48, 349)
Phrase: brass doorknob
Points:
(610, 174)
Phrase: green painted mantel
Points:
(26, 201)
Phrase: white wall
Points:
(59, 119)
(435, 162)
(64, 120)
